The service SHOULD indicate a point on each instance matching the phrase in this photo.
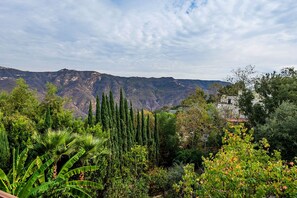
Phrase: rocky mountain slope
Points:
(83, 86)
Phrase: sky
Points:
(184, 39)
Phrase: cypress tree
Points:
(144, 136)
(156, 139)
(4, 148)
(149, 137)
(90, 115)
(119, 134)
(104, 113)
(138, 131)
(98, 111)
(112, 110)
(122, 106)
(128, 125)
(48, 118)
(132, 127)
(123, 122)
(109, 117)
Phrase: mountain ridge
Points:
(83, 86)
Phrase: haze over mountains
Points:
(83, 86)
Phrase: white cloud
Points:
(180, 38)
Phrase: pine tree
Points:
(98, 111)
(90, 115)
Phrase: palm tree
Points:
(94, 147)
(56, 144)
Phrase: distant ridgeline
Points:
(83, 86)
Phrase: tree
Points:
(280, 130)
(143, 131)
(246, 76)
(4, 147)
(138, 131)
(98, 111)
(20, 129)
(55, 143)
(104, 113)
(22, 100)
(156, 139)
(48, 120)
(169, 140)
(61, 118)
(90, 115)
(271, 90)
(241, 168)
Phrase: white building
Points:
(228, 108)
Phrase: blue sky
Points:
(197, 39)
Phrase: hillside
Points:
(83, 86)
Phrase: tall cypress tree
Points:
(138, 131)
(112, 110)
(144, 136)
(128, 124)
(119, 134)
(149, 138)
(104, 113)
(123, 122)
(109, 117)
(98, 111)
(156, 139)
(90, 115)
(132, 127)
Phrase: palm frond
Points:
(4, 181)
(79, 170)
(26, 190)
(71, 162)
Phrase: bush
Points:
(241, 168)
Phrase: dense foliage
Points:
(241, 169)
(120, 151)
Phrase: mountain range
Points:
(83, 86)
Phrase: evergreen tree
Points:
(90, 115)
(123, 122)
(98, 110)
(148, 132)
(149, 139)
(104, 113)
(132, 128)
(111, 103)
(119, 134)
(138, 131)
(156, 139)
(4, 148)
(108, 110)
(48, 119)
(144, 136)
